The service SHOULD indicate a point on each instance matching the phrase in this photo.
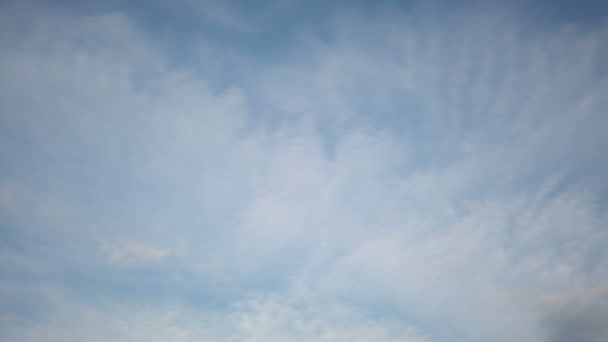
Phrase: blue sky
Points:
(302, 171)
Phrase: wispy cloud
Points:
(127, 253)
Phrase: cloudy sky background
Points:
(303, 171)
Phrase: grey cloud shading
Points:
(579, 315)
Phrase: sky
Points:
(303, 171)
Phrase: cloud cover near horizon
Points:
(222, 171)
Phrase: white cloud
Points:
(262, 318)
(128, 253)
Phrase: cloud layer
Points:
(426, 173)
